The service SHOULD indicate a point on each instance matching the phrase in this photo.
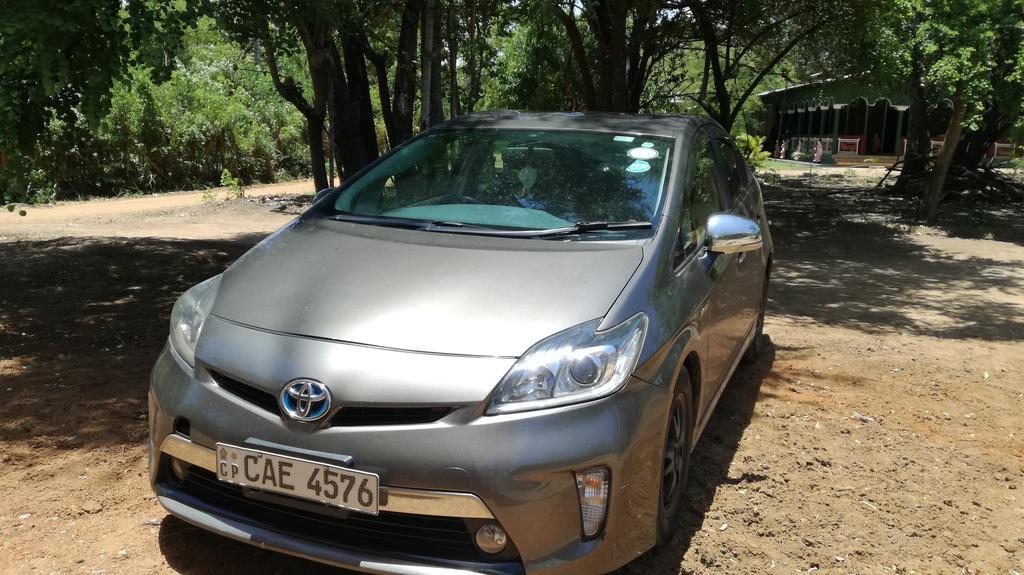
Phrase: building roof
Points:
(815, 79)
(843, 90)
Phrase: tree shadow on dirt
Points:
(982, 220)
(81, 323)
(846, 260)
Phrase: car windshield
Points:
(514, 180)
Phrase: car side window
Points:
(740, 177)
(700, 200)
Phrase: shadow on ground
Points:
(847, 260)
(962, 218)
(81, 323)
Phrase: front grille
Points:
(391, 534)
(355, 416)
(249, 393)
(347, 416)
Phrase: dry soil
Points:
(881, 433)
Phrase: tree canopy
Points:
(361, 76)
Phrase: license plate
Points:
(330, 484)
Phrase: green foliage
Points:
(752, 149)
(61, 58)
(215, 112)
(533, 69)
(235, 190)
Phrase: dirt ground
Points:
(882, 433)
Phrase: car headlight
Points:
(572, 366)
(188, 316)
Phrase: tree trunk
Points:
(355, 138)
(405, 73)
(454, 103)
(473, 22)
(616, 79)
(380, 68)
(723, 112)
(362, 105)
(972, 154)
(436, 84)
(918, 150)
(430, 68)
(702, 95)
(315, 134)
(937, 179)
(314, 112)
(579, 53)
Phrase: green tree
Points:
(528, 71)
(617, 44)
(330, 35)
(216, 110)
(745, 41)
(59, 58)
(971, 52)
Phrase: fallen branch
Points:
(997, 181)
(887, 172)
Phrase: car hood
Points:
(422, 291)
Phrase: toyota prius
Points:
(490, 351)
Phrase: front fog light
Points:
(491, 539)
(593, 490)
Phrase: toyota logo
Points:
(305, 400)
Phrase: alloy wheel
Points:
(674, 466)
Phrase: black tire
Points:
(757, 342)
(675, 467)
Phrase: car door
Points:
(707, 195)
(747, 275)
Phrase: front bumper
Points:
(516, 470)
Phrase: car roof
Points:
(671, 125)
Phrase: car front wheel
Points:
(675, 460)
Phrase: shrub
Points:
(752, 148)
(235, 190)
(211, 115)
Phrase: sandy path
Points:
(62, 212)
(177, 215)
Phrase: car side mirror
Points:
(320, 195)
(729, 234)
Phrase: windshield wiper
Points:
(410, 223)
(473, 229)
(444, 226)
(585, 227)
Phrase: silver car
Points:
(491, 351)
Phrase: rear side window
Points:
(740, 178)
